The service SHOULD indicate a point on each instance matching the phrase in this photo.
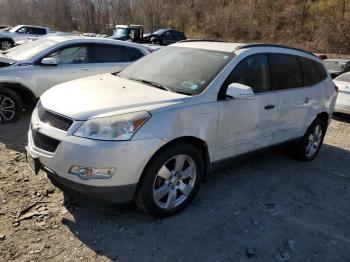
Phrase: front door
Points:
(73, 63)
(247, 125)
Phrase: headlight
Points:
(120, 127)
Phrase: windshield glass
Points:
(121, 32)
(179, 69)
(335, 65)
(343, 77)
(14, 29)
(159, 32)
(30, 49)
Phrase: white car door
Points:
(109, 58)
(298, 101)
(22, 33)
(246, 125)
(73, 62)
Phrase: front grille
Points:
(53, 119)
(44, 142)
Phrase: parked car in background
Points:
(337, 67)
(321, 56)
(151, 132)
(21, 33)
(5, 27)
(165, 37)
(343, 100)
(30, 69)
(132, 33)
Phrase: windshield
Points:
(178, 69)
(14, 29)
(335, 65)
(121, 32)
(343, 77)
(30, 49)
(159, 32)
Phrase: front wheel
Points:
(171, 180)
(10, 106)
(5, 44)
(312, 140)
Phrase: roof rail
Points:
(274, 45)
(202, 40)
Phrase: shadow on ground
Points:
(281, 208)
(14, 135)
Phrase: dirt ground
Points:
(269, 208)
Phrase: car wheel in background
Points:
(312, 140)
(5, 44)
(171, 180)
(10, 106)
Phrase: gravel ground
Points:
(269, 208)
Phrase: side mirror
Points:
(49, 61)
(239, 91)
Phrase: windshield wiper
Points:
(151, 83)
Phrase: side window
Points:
(133, 53)
(253, 71)
(285, 72)
(71, 55)
(109, 54)
(38, 31)
(23, 30)
(313, 71)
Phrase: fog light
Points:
(91, 173)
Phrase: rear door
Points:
(247, 125)
(298, 101)
(108, 58)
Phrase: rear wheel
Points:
(312, 140)
(10, 106)
(171, 181)
(5, 44)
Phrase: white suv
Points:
(21, 33)
(154, 130)
(30, 69)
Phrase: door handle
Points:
(268, 107)
(84, 68)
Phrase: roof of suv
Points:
(223, 46)
(210, 45)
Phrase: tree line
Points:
(317, 25)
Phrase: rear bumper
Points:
(108, 194)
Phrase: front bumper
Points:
(129, 158)
(112, 194)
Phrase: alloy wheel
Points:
(314, 141)
(174, 181)
(7, 108)
(4, 45)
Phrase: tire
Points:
(163, 191)
(10, 106)
(5, 44)
(312, 141)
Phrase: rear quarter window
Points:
(313, 71)
(133, 53)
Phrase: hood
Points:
(104, 95)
